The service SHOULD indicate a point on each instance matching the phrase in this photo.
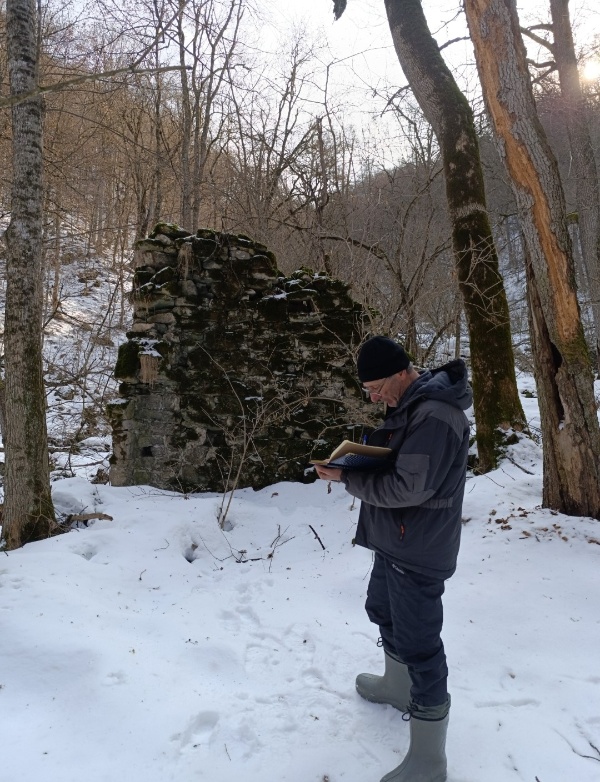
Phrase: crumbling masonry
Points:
(232, 375)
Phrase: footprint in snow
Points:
(88, 552)
(199, 730)
(14, 582)
(116, 677)
(240, 618)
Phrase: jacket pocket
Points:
(414, 468)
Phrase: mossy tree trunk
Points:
(28, 511)
(496, 398)
(587, 186)
(570, 431)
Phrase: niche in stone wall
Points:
(232, 374)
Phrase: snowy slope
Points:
(156, 647)
(81, 339)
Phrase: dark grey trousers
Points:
(407, 607)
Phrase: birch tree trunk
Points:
(496, 398)
(28, 511)
(587, 186)
(570, 432)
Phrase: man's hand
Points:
(328, 473)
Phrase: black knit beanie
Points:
(380, 357)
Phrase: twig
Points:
(485, 475)
(595, 748)
(512, 461)
(316, 536)
(580, 754)
(87, 517)
(276, 543)
(278, 536)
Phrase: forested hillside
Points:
(176, 112)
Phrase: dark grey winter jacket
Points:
(411, 511)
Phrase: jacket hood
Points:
(448, 383)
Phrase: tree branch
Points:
(454, 40)
(550, 64)
(538, 38)
(14, 100)
(370, 248)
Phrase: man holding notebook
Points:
(410, 517)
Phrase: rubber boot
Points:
(425, 760)
(392, 688)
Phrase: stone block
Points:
(162, 317)
(188, 289)
(142, 328)
(210, 263)
(161, 302)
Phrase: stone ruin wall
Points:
(233, 374)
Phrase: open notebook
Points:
(354, 456)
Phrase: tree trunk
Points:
(496, 398)
(321, 200)
(570, 432)
(544, 369)
(55, 301)
(587, 187)
(158, 145)
(185, 212)
(28, 511)
(457, 332)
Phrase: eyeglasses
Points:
(373, 391)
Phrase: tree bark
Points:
(28, 511)
(570, 431)
(587, 187)
(496, 398)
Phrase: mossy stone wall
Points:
(233, 374)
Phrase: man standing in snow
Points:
(410, 517)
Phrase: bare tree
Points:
(28, 509)
(399, 252)
(273, 143)
(570, 431)
(207, 38)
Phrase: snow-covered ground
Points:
(155, 647)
